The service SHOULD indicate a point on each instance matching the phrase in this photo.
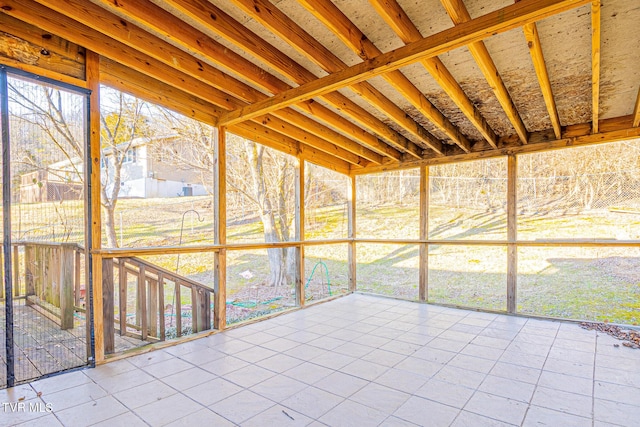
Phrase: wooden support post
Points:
(67, 306)
(142, 295)
(204, 309)
(48, 276)
(108, 308)
(178, 309)
(93, 219)
(351, 218)
(220, 232)
(122, 298)
(39, 272)
(77, 280)
(152, 308)
(512, 229)
(195, 313)
(299, 234)
(423, 274)
(161, 304)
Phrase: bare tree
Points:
(118, 131)
(263, 177)
(44, 107)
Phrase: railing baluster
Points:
(77, 281)
(161, 305)
(142, 286)
(107, 301)
(178, 309)
(152, 308)
(195, 324)
(16, 271)
(122, 275)
(65, 283)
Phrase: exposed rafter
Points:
(502, 20)
(191, 39)
(204, 59)
(611, 130)
(83, 35)
(595, 63)
(136, 38)
(533, 41)
(459, 14)
(279, 23)
(391, 12)
(338, 22)
(127, 80)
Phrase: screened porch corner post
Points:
(220, 229)
(351, 219)
(299, 232)
(93, 221)
(423, 274)
(512, 233)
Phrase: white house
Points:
(146, 173)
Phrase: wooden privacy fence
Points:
(52, 275)
(147, 295)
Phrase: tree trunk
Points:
(110, 226)
(277, 275)
(276, 256)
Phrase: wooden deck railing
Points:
(147, 294)
(53, 279)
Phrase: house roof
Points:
(368, 85)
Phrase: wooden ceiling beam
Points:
(595, 63)
(611, 130)
(339, 23)
(130, 81)
(272, 18)
(149, 19)
(459, 14)
(191, 39)
(391, 11)
(82, 35)
(499, 21)
(216, 20)
(135, 38)
(537, 57)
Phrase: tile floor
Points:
(356, 361)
